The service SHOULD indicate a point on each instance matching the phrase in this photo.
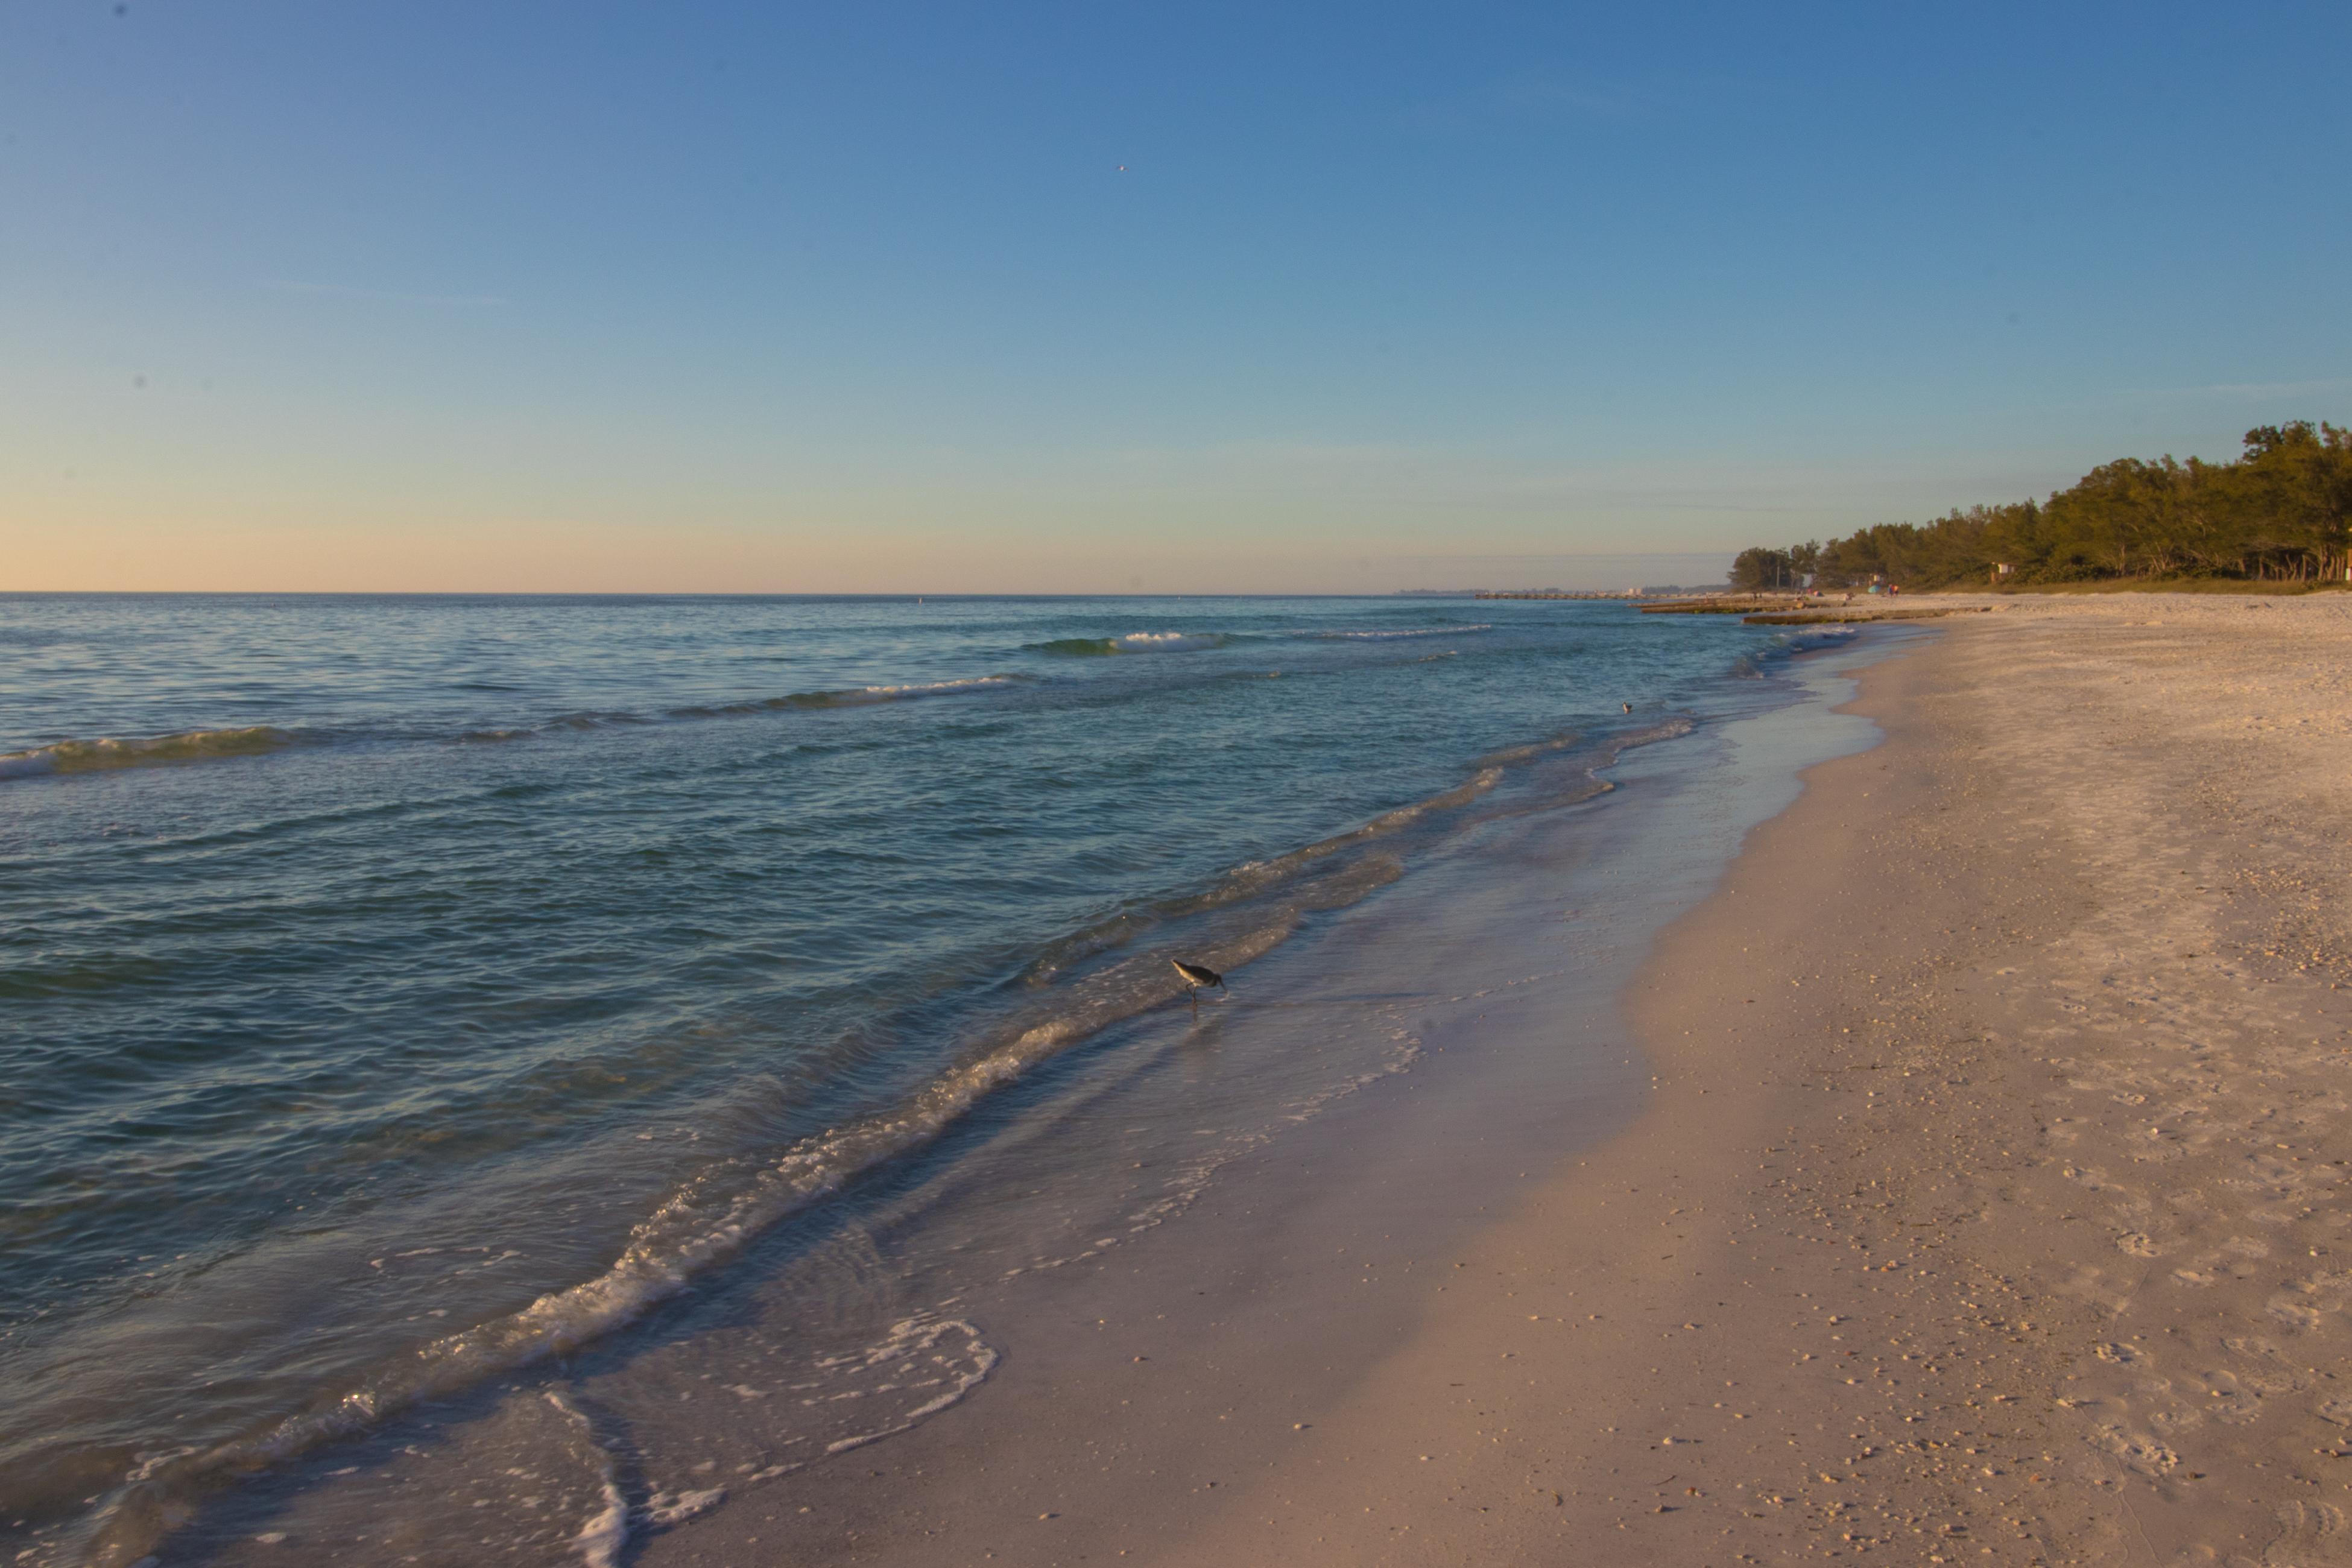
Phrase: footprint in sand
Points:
(2143, 1454)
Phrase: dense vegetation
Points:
(2281, 512)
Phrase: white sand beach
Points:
(1989, 1210)
(1983, 1208)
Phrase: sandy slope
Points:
(1989, 1210)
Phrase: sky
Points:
(1087, 297)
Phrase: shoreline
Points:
(1930, 1173)
(1980, 1212)
(595, 1171)
(1105, 1181)
(1142, 1390)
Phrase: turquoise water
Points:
(396, 991)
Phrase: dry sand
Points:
(1988, 1210)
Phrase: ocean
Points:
(441, 1033)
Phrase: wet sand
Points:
(1145, 1378)
(1987, 1210)
(1982, 1209)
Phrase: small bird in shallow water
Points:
(1628, 707)
(1195, 977)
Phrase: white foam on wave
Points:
(1167, 642)
(604, 1535)
(849, 697)
(713, 1216)
(922, 688)
(601, 1539)
(665, 1509)
(910, 1343)
(707, 1221)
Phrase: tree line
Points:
(2282, 512)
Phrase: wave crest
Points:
(158, 751)
(713, 1215)
(1133, 642)
(848, 696)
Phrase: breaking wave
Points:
(160, 750)
(706, 1221)
(200, 745)
(1752, 663)
(1238, 916)
(1257, 878)
(1195, 642)
(846, 697)
(1134, 642)
(850, 697)
(205, 745)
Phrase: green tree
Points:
(1759, 568)
(2281, 510)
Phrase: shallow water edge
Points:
(1183, 1325)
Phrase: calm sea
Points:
(397, 993)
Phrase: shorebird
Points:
(1628, 707)
(1197, 976)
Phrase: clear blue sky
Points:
(985, 297)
